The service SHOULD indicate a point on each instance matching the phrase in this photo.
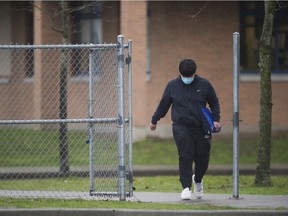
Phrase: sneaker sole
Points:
(186, 198)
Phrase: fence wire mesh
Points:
(47, 98)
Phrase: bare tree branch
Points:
(199, 11)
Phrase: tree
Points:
(63, 128)
(265, 52)
(65, 11)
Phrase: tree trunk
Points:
(265, 52)
(63, 128)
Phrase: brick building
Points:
(163, 33)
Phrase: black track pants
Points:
(193, 146)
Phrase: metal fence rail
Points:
(65, 120)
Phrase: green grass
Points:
(213, 184)
(40, 148)
(153, 151)
(51, 184)
(28, 147)
(59, 203)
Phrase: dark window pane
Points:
(251, 22)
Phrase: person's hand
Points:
(217, 126)
(152, 126)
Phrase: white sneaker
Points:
(198, 188)
(186, 194)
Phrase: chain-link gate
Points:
(66, 125)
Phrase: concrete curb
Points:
(154, 170)
(129, 212)
(212, 170)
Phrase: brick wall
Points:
(202, 31)
(133, 26)
(193, 30)
(177, 30)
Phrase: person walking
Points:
(188, 94)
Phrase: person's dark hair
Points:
(187, 67)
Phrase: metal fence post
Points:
(91, 124)
(130, 118)
(121, 120)
(236, 66)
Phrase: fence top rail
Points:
(55, 121)
(60, 46)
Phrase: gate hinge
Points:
(128, 60)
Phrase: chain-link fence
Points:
(65, 128)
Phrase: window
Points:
(251, 22)
(87, 22)
(9, 28)
(87, 28)
(29, 40)
(5, 28)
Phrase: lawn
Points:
(28, 147)
(153, 151)
(213, 184)
(23, 150)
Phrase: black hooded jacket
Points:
(187, 101)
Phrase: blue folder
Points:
(207, 121)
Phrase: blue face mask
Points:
(187, 80)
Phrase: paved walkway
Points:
(253, 204)
(248, 205)
(244, 201)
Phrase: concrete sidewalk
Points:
(244, 201)
(248, 205)
(141, 212)
(260, 205)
